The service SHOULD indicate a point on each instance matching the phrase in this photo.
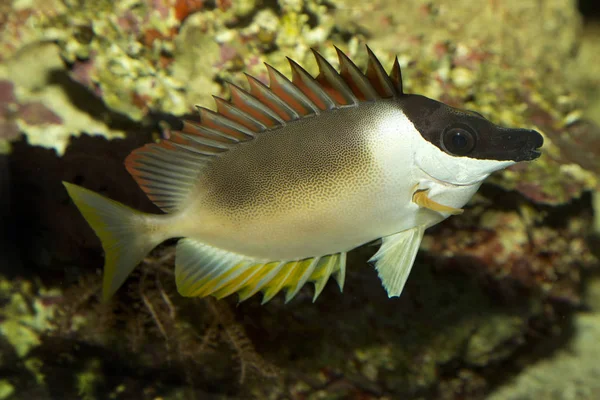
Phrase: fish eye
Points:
(458, 141)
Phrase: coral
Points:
(88, 380)
(568, 373)
(26, 317)
(156, 330)
(9, 130)
(38, 100)
(517, 246)
(6, 389)
(26, 314)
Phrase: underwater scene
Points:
(299, 199)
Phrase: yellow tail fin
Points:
(123, 231)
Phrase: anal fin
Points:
(202, 270)
(395, 258)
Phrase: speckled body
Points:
(316, 186)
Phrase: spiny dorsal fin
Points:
(310, 87)
(290, 93)
(358, 82)
(271, 100)
(230, 111)
(166, 171)
(333, 83)
(253, 106)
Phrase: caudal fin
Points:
(123, 231)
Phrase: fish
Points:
(272, 189)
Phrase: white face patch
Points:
(451, 169)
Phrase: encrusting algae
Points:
(275, 187)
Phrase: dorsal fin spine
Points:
(156, 166)
(378, 77)
(158, 180)
(194, 150)
(396, 76)
(200, 130)
(357, 81)
(235, 114)
(310, 87)
(219, 122)
(251, 105)
(288, 92)
(268, 97)
(168, 154)
(139, 158)
(166, 185)
(201, 140)
(160, 175)
(332, 82)
(203, 145)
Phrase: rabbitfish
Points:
(275, 187)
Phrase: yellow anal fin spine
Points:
(209, 286)
(301, 274)
(241, 281)
(324, 269)
(274, 277)
(340, 271)
(279, 281)
(259, 281)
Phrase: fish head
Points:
(461, 147)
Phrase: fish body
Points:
(303, 190)
(276, 187)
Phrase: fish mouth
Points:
(532, 147)
(514, 145)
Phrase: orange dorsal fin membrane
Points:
(271, 100)
(228, 110)
(167, 171)
(227, 126)
(254, 107)
(290, 93)
(310, 87)
(333, 83)
(193, 128)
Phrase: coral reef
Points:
(570, 372)
(488, 286)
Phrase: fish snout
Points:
(533, 144)
(521, 144)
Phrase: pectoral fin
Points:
(395, 258)
(422, 200)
